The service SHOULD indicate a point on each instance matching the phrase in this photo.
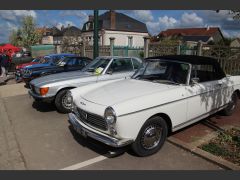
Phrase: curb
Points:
(13, 154)
(199, 152)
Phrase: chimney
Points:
(112, 19)
(90, 18)
(208, 28)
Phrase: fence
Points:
(103, 51)
(128, 51)
(228, 57)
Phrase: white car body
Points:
(135, 101)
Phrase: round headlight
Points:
(110, 116)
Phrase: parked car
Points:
(19, 68)
(49, 60)
(71, 63)
(53, 88)
(168, 94)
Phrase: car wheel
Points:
(228, 111)
(62, 103)
(151, 137)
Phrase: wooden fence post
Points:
(111, 45)
(146, 46)
(199, 48)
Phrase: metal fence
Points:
(103, 51)
(228, 57)
(128, 51)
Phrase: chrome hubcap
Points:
(151, 137)
(66, 102)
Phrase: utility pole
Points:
(95, 36)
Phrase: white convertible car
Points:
(167, 94)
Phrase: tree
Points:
(15, 37)
(29, 34)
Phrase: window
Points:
(136, 64)
(205, 72)
(120, 65)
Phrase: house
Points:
(57, 36)
(205, 35)
(235, 43)
(125, 30)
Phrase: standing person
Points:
(3, 76)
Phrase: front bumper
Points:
(85, 131)
(40, 98)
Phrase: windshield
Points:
(163, 71)
(97, 65)
(44, 60)
(36, 60)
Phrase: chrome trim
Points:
(106, 139)
(167, 103)
(200, 117)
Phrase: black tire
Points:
(59, 102)
(232, 105)
(138, 145)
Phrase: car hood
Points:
(25, 64)
(32, 67)
(64, 76)
(124, 90)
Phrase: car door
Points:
(119, 68)
(200, 96)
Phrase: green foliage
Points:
(215, 149)
(27, 34)
(141, 54)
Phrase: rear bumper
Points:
(85, 130)
(40, 98)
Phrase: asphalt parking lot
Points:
(46, 141)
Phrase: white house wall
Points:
(121, 38)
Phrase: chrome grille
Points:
(92, 119)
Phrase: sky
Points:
(156, 20)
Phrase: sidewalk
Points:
(10, 155)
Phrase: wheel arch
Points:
(64, 88)
(238, 93)
(166, 118)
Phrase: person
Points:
(3, 75)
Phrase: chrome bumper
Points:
(38, 97)
(85, 131)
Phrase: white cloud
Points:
(191, 20)
(65, 24)
(143, 15)
(77, 13)
(167, 22)
(16, 15)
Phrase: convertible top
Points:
(186, 58)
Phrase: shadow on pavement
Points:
(43, 107)
(97, 146)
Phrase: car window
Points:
(121, 65)
(205, 72)
(136, 64)
(71, 61)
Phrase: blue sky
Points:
(156, 20)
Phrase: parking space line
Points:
(85, 163)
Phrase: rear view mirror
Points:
(195, 81)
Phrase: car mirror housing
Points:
(195, 80)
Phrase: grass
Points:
(225, 145)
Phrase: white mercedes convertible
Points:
(167, 94)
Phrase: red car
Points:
(19, 67)
(34, 61)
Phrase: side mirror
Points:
(109, 72)
(195, 81)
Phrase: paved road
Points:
(46, 141)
